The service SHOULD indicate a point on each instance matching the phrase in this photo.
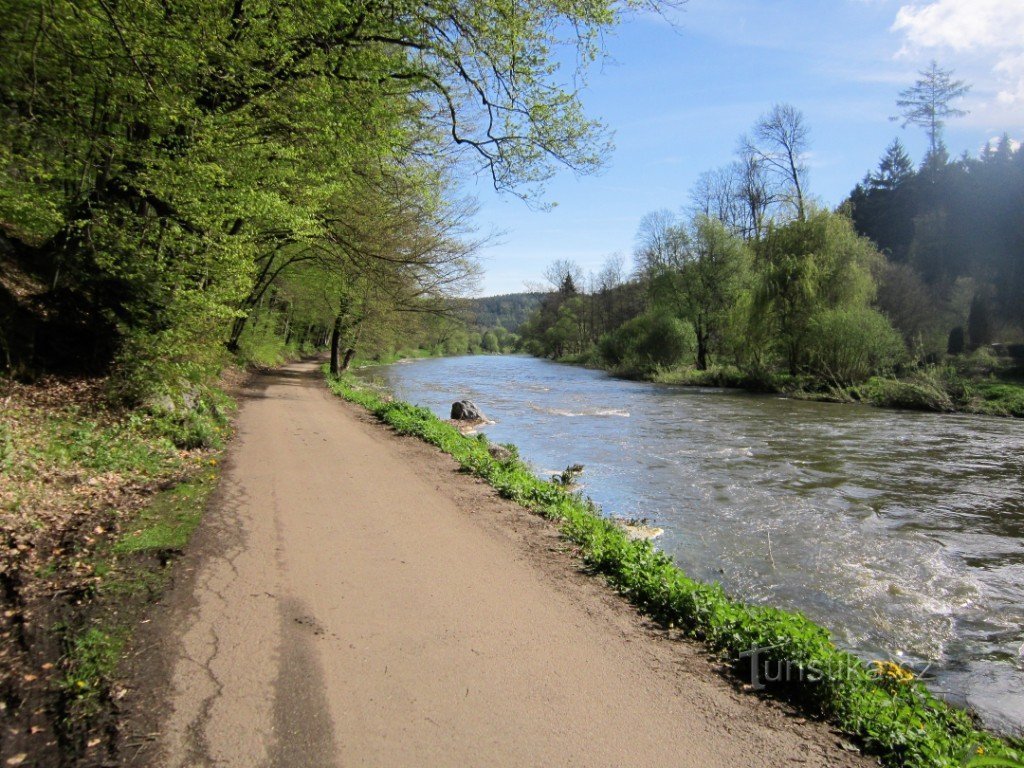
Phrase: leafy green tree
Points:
(716, 271)
(490, 342)
(647, 342)
(804, 268)
(166, 163)
(695, 274)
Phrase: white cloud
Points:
(994, 28)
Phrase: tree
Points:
(979, 322)
(660, 240)
(894, 168)
(927, 103)
(565, 276)
(805, 268)
(848, 346)
(718, 194)
(166, 164)
(780, 142)
(715, 271)
(756, 191)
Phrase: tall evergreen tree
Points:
(927, 103)
(894, 168)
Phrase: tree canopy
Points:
(168, 163)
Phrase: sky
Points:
(678, 93)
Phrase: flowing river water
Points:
(901, 532)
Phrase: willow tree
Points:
(807, 267)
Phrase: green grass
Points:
(90, 660)
(127, 569)
(168, 522)
(892, 714)
(1001, 398)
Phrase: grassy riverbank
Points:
(974, 384)
(882, 705)
(96, 502)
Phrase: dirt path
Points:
(356, 601)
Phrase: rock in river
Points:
(464, 410)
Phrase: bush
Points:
(847, 346)
(648, 342)
(936, 388)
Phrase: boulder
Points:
(464, 410)
(499, 452)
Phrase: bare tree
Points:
(718, 194)
(565, 275)
(780, 142)
(660, 241)
(757, 191)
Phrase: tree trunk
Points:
(702, 352)
(349, 354)
(236, 332)
(336, 345)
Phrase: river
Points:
(901, 532)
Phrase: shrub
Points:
(849, 345)
(935, 388)
(648, 342)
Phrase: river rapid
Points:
(901, 532)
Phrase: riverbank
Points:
(354, 597)
(96, 504)
(960, 386)
(913, 737)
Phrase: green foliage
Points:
(165, 195)
(808, 267)
(893, 714)
(507, 311)
(1000, 398)
(949, 222)
(934, 388)
(847, 346)
(89, 662)
(713, 376)
(648, 342)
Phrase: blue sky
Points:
(677, 97)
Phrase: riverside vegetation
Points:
(881, 704)
(896, 298)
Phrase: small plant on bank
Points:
(567, 477)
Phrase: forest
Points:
(908, 294)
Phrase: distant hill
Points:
(509, 310)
